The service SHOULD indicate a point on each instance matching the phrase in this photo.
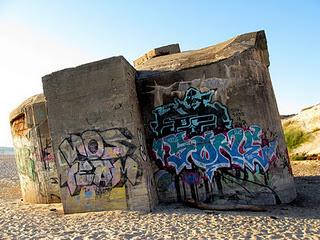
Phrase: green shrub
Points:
(299, 157)
(295, 137)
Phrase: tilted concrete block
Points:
(98, 137)
(161, 51)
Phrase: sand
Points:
(299, 220)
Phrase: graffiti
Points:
(178, 89)
(47, 154)
(235, 148)
(199, 149)
(54, 180)
(164, 181)
(143, 150)
(25, 154)
(99, 160)
(237, 117)
(191, 178)
(194, 114)
(34, 159)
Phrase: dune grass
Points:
(295, 137)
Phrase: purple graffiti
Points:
(99, 160)
(242, 148)
(191, 178)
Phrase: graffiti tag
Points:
(237, 147)
(194, 114)
(102, 159)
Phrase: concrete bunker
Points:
(33, 152)
(199, 124)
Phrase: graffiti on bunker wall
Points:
(238, 147)
(143, 149)
(25, 151)
(31, 146)
(194, 114)
(35, 161)
(47, 153)
(26, 157)
(49, 166)
(100, 160)
(195, 142)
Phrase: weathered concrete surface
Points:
(98, 137)
(208, 55)
(161, 51)
(212, 124)
(33, 152)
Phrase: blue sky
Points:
(39, 37)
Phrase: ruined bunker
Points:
(212, 124)
(200, 124)
(33, 152)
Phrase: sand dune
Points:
(307, 120)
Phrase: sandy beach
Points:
(298, 220)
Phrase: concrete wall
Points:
(98, 137)
(212, 125)
(33, 152)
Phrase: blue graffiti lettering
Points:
(239, 147)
